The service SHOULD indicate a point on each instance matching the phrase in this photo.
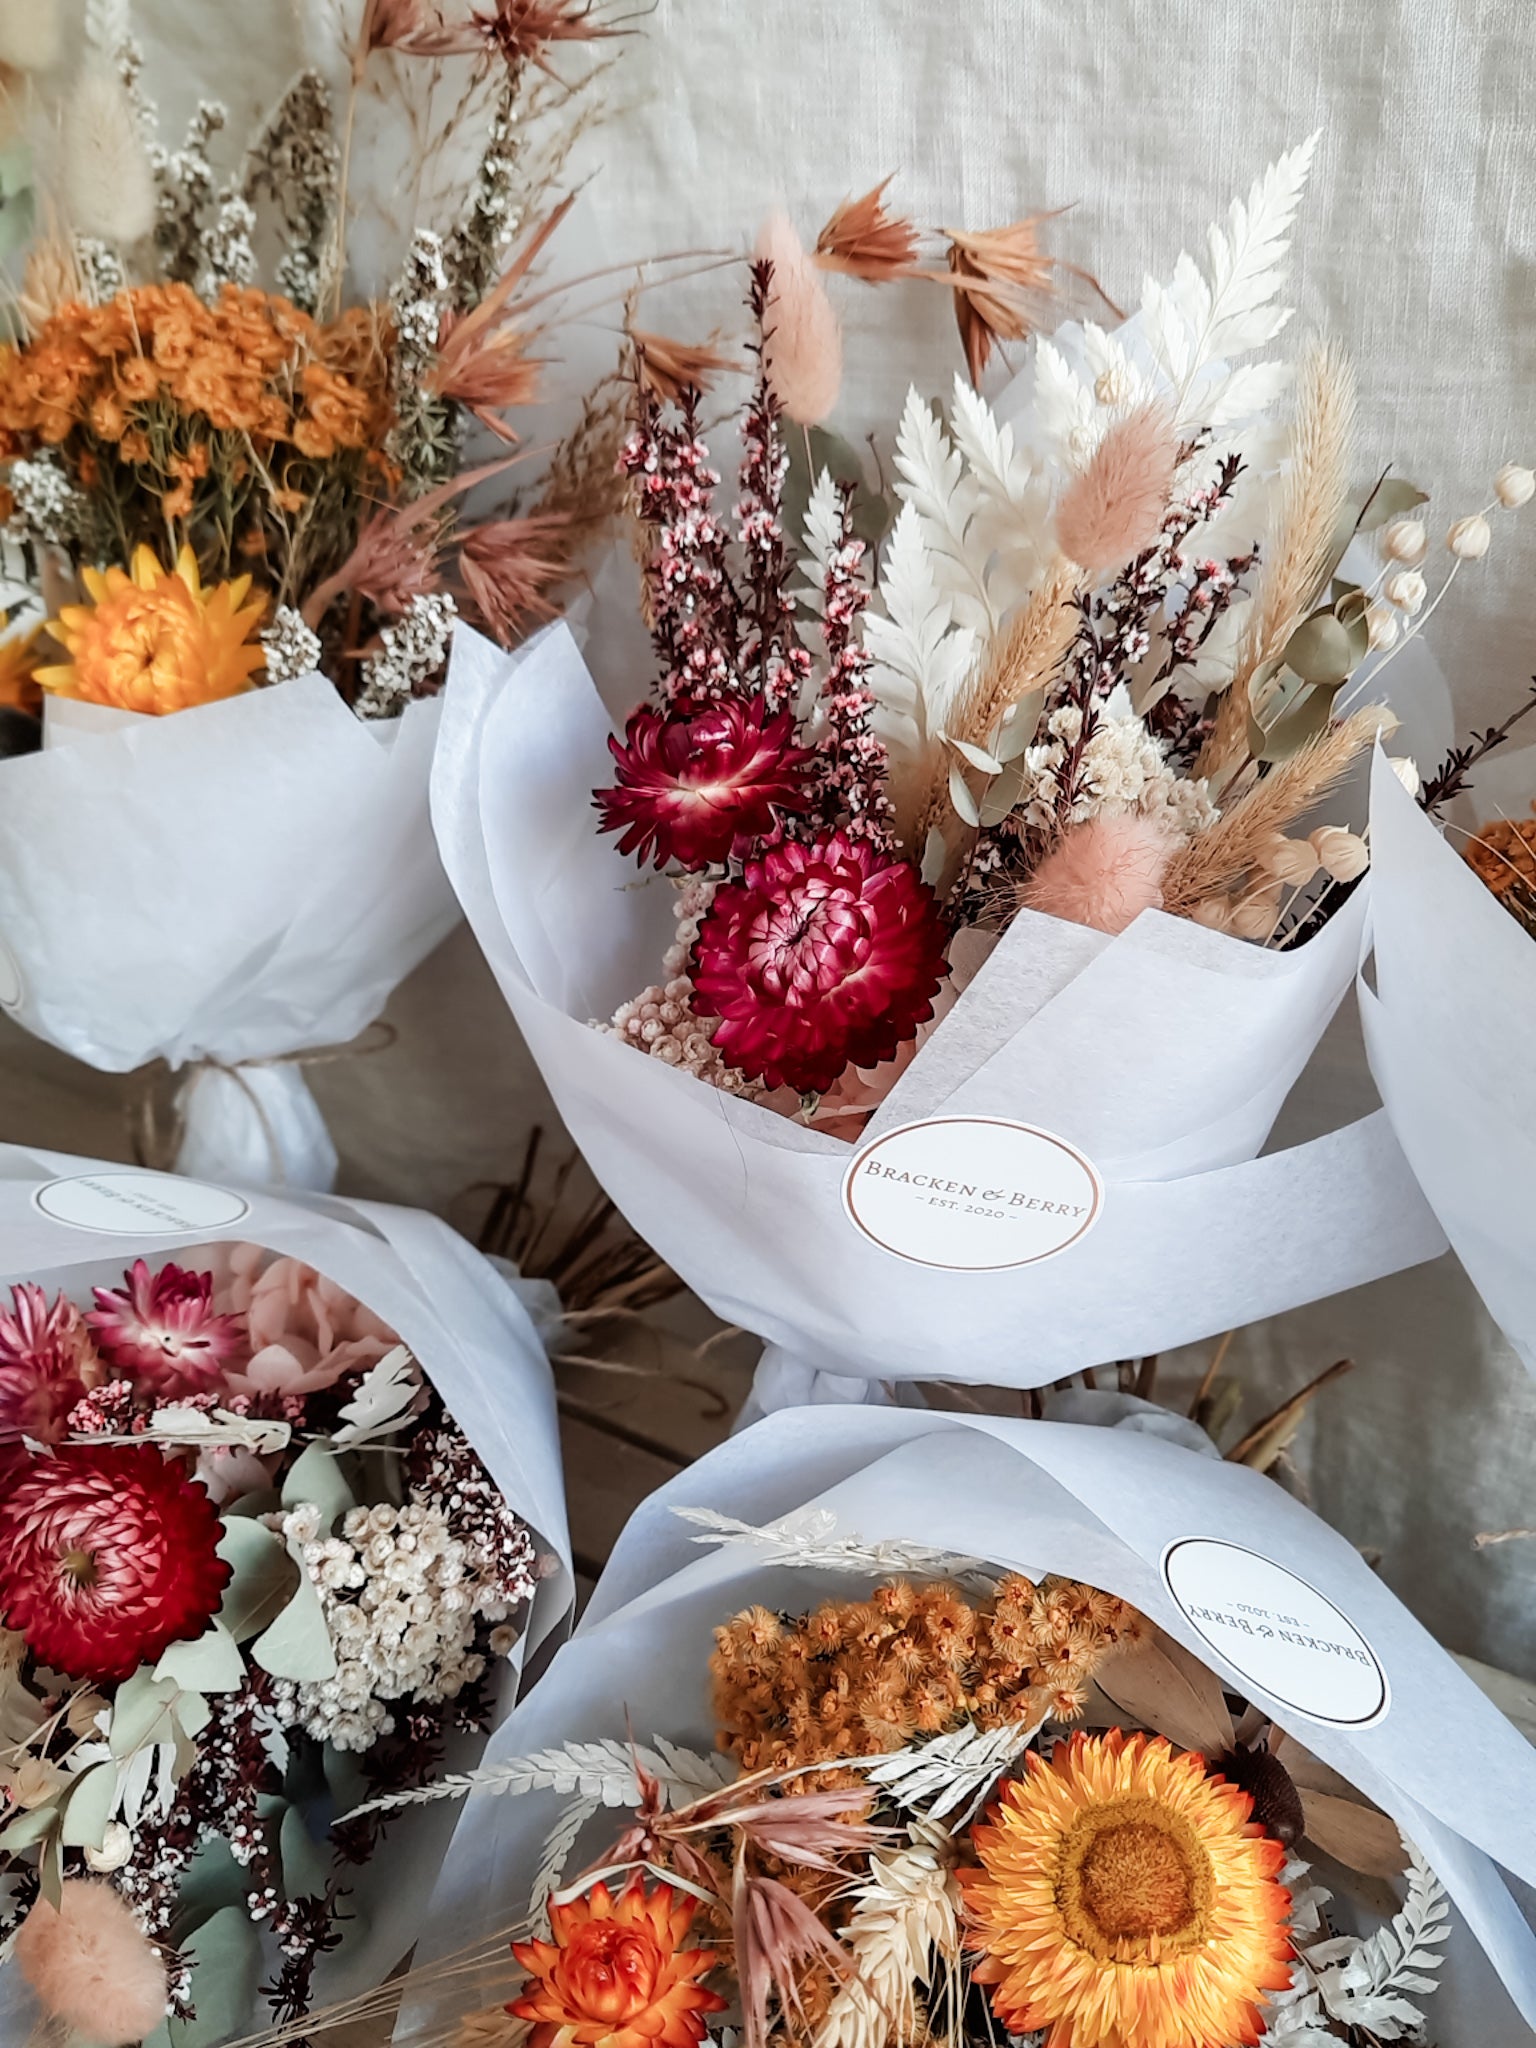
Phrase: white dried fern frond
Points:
(603, 1772)
(1067, 414)
(1010, 519)
(107, 25)
(939, 1778)
(822, 531)
(932, 478)
(905, 1915)
(921, 656)
(558, 1844)
(809, 1539)
(1369, 1988)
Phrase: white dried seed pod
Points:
(1514, 486)
(1381, 624)
(1341, 853)
(1468, 539)
(1291, 861)
(1254, 917)
(1405, 541)
(1406, 769)
(1406, 589)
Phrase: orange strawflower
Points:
(1127, 1899)
(615, 1974)
(18, 671)
(155, 640)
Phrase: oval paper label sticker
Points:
(12, 987)
(973, 1194)
(1277, 1630)
(139, 1204)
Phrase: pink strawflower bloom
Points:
(694, 783)
(47, 1363)
(820, 956)
(163, 1331)
(306, 1333)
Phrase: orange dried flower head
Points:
(667, 369)
(19, 688)
(155, 640)
(1001, 278)
(1127, 1899)
(615, 1974)
(865, 241)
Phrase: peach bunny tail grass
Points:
(90, 1966)
(1114, 510)
(1104, 872)
(802, 342)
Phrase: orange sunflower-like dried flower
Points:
(156, 640)
(1127, 1899)
(865, 241)
(615, 1973)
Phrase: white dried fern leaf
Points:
(809, 1539)
(603, 1772)
(921, 657)
(1369, 1987)
(558, 1845)
(107, 25)
(932, 479)
(1012, 499)
(381, 1402)
(939, 1778)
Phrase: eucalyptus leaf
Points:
(960, 796)
(977, 756)
(1016, 730)
(90, 1805)
(1303, 722)
(306, 1862)
(298, 1644)
(264, 1577)
(998, 800)
(212, 1663)
(28, 1828)
(141, 1712)
(1263, 676)
(50, 1872)
(315, 1476)
(935, 854)
(1321, 650)
(1392, 498)
(226, 1958)
(192, 1714)
(261, 1500)
(213, 1880)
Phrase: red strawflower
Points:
(821, 956)
(108, 1554)
(162, 1330)
(694, 783)
(47, 1363)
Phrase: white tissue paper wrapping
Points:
(1448, 1030)
(1163, 1055)
(1101, 1504)
(466, 1328)
(241, 881)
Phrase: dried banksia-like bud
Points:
(1468, 539)
(1405, 541)
(1514, 486)
(108, 186)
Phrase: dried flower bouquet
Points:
(244, 498)
(261, 1555)
(827, 1784)
(1012, 821)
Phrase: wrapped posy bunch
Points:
(257, 1559)
(240, 494)
(1180, 1803)
(1030, 816)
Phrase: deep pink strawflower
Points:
(108, 1555)
(821, 956)
(47, 1363)
(696, 783)
(162, 1330)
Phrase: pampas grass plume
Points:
(1114, 510)
(91, 1966)
(1104, 872)
(29, 35)
(802, 344)
(108, 187)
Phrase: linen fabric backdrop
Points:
(1415, 246)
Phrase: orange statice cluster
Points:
(169, 412)
(859, 1677)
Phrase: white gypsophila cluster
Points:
(228, 256)
(402, 1605)
(1123, 768)
(100, 270)
(410, 654)
(292, 649)
(48, 507)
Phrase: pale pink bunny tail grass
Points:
(90, 1965)
(1104, 872)
(802, 342)
(1114, 510)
